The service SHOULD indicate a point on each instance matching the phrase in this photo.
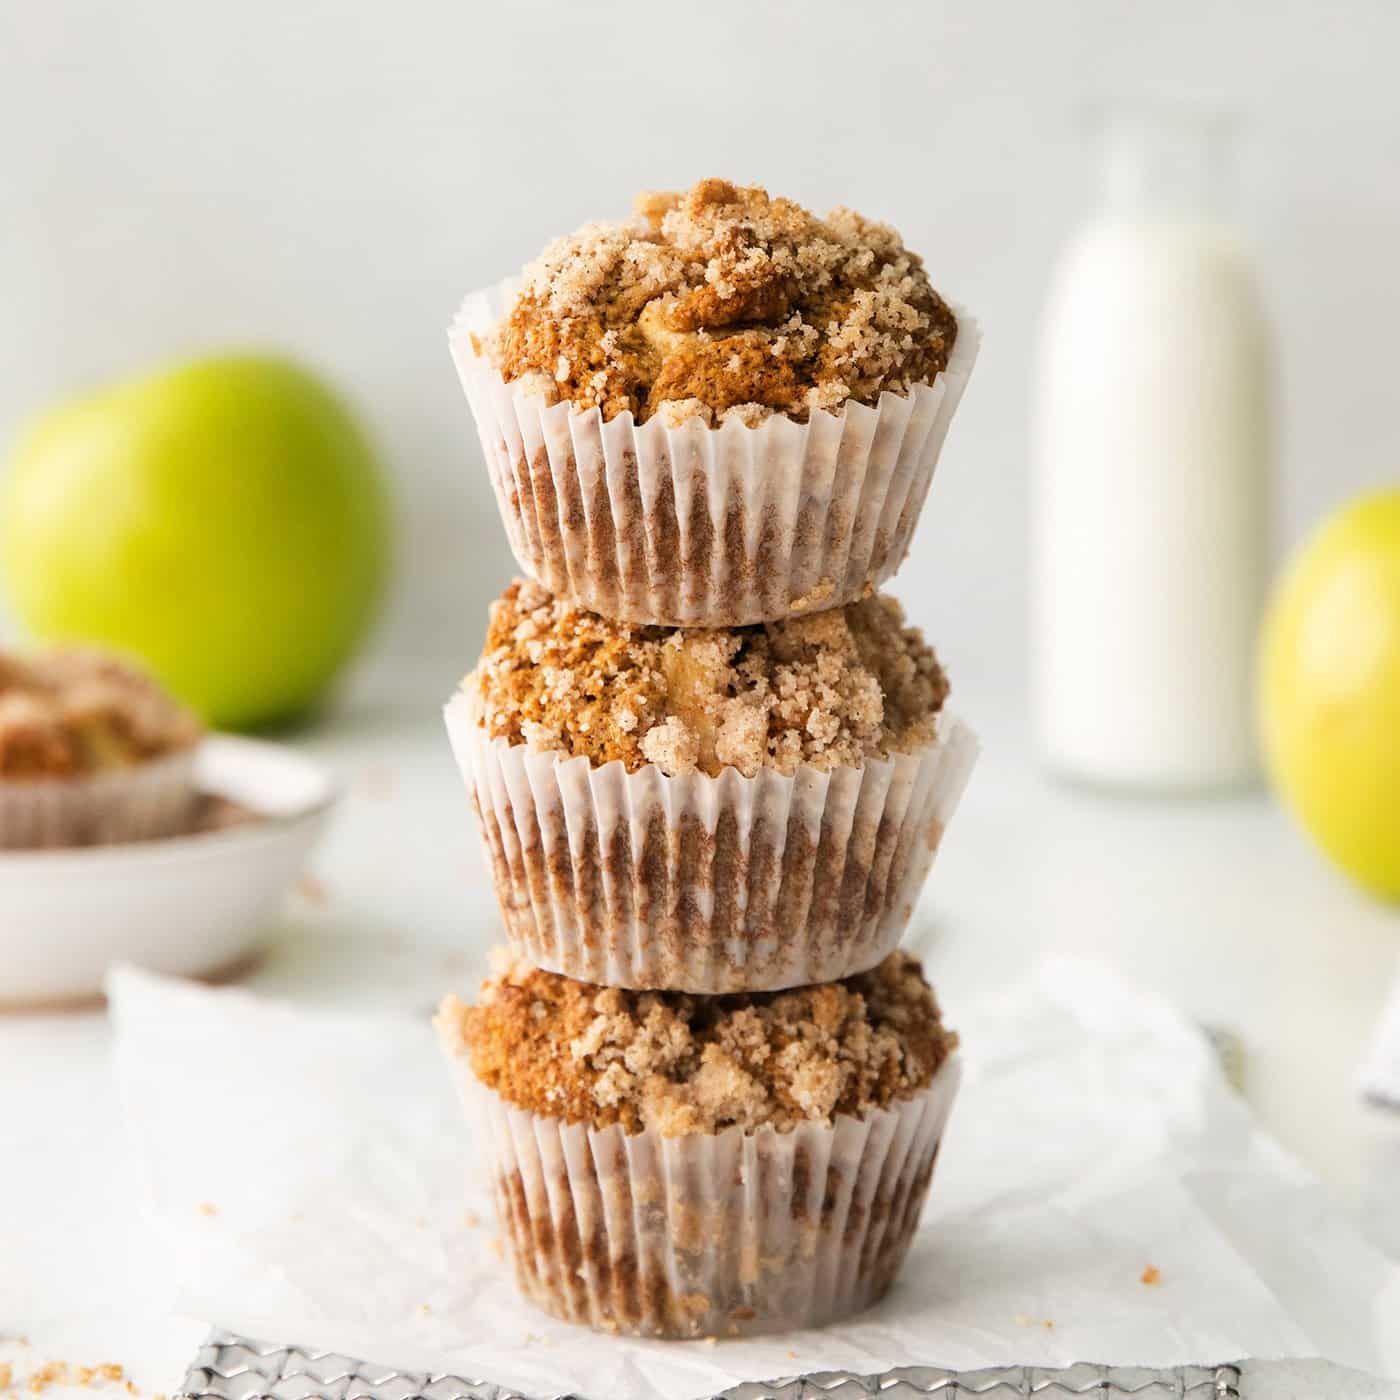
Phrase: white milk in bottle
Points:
(1152, 441)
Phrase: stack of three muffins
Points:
(711, 766)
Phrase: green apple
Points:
(1329, 690)
(225, 520)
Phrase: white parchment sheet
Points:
(314, 1180)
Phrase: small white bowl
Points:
(191, 906)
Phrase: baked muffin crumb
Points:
(824, 689)
(74, 711)
(684, 1064)
(723, 304)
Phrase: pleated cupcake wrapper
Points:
(705, 884)
(143, 803)
(699, 527)
(710, 1235)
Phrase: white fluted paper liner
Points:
(706, 527)
(705, 884)
(142, 803)
(710, 1235)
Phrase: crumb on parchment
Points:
(58, 1373)
(312, 889)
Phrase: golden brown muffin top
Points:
(697, 1064)
(74, 711)
(828, 689)
(721, 302)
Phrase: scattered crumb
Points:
(811, 600)
(792, 1356)
(497, 1246)
(471, 1220)
(7, 1375)
(208, 1208)
(828, 689)
(378, 783)
(711, 1341)
(1026, 1320)
(1151, 1275)
(64, 1373)
(312, 890)
(50, 1373)
(424, 1309)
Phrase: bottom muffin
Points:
(670, 1165)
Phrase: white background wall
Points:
(330, 178)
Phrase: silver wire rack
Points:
(238, 1368)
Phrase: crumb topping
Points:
(827, 689)
(70, 712)
(694, 1064)
(722, 303)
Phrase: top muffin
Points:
(723, 303)
(74, 712)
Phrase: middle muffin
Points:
(707, 811)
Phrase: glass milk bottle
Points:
(1152, 441)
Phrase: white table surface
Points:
(1218, 904)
